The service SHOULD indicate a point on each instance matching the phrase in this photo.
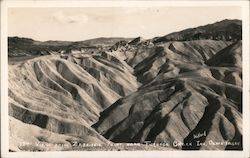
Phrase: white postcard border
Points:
(188, 154)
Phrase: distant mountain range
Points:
(25, 46)
(229, 30)
(226, 30)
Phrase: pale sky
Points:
(75, 24)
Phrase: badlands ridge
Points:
(117, 90)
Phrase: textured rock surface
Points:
(134, 91)
(185, 98)
(59, 95)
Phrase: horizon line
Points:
(58, 40)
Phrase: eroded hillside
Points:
(134, 91)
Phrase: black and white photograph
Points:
(117, 78)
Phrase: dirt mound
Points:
(136, 41)
(228, 57)
(164, 56)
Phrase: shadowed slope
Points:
(65, 95)
(185, 98)
(228, 57)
